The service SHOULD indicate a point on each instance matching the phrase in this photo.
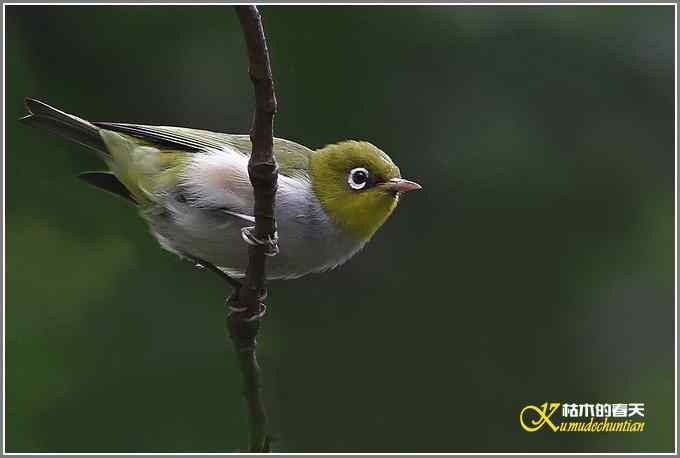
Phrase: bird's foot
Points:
(243, 323)
(271, 243)
(236, 311)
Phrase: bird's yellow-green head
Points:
(358, 185)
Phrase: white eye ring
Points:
(354, 174)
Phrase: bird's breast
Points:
(309, 240)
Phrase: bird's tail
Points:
(80, 131)
(64, 124)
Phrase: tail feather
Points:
(108, 182)
(64, 124)
(80, 131)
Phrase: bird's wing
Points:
(292, 157)
(172, 167)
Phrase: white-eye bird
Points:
(192, 187)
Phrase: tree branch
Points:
(244, 323)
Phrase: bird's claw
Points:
(234, 306)
(271, 244)
(253, 317)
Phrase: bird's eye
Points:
(358, 178)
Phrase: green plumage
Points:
(358, 213)
(192, 187)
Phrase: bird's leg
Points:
(233, 301)
(241, 294)
(201, 264)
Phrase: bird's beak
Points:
(400, 185)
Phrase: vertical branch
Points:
(244, 322)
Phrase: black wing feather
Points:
(107, 181)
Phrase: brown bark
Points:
(263, 173)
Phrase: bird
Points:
(192, 188)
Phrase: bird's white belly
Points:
(308, 240)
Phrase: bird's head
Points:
(358, 185)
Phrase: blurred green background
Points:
(536, 265)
